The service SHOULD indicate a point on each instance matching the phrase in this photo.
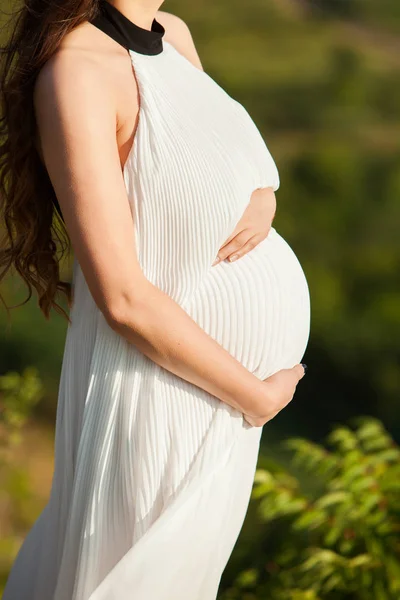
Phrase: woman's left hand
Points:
(253, 227)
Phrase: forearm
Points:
(162, 330)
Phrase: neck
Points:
(141, 12)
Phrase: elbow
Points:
(123, 312)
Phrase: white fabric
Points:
(152, 474)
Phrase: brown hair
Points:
(34, 241)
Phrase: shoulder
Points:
(75, 67)
(179, 35)
(71, 89)
(86, 61)
(70, 75)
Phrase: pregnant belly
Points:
(258, 307)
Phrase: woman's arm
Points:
(77, 115)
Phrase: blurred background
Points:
(321, 79)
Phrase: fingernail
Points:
(233, 257)
(304, 367)
(216, 261)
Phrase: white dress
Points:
(153, 475)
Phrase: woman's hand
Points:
(253, 227)
(279, 391)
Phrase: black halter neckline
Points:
(124, 31)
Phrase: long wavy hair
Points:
(34, 239)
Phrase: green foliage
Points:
(19, 393)
(338, 538)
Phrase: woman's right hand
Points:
(279, 390)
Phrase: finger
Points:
(240, 236)
(234, 245)
(234, 233)
(249, 245)
(300, 370)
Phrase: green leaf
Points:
(333, 498)
(310, 519)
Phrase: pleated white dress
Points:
(153, 475)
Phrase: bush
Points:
(335, 535)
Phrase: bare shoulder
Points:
(77, 67)
(87, 62)
(87, 78)
(178, 34)
(71, 92)
(69, 77)
(69, 71)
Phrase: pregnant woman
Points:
(173, 360)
